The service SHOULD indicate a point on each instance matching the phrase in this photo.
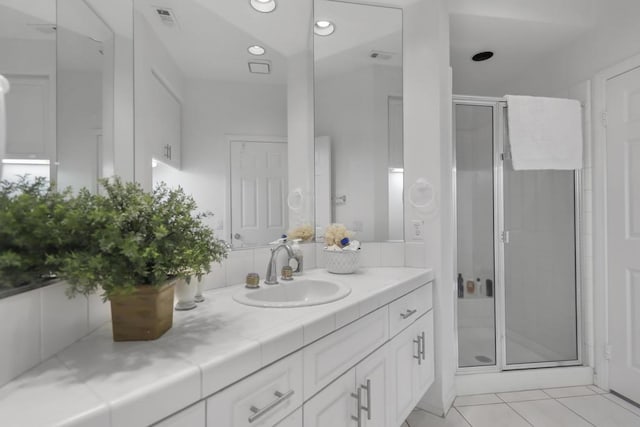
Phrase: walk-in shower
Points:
(517, 250)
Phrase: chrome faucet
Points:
(272, 268)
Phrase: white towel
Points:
(545, 133)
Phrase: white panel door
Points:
(373, 376)
(334, 406)
(623, 231)
(258, 192)
(29, 116)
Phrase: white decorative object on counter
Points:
(185, 295)
(342, 261)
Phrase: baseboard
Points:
(526, 379)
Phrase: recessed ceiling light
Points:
(324, 28)
(256, 50)
(482, 56)
(264, 6)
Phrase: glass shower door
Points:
(539, 267)
(474, 176)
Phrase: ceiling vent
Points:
(166, 15)
(380, 55)
(262, 67)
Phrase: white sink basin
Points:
(297, 293)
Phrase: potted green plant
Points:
(136, 245)
(30, 212)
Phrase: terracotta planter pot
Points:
(144, 315)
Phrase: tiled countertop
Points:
(97, 382)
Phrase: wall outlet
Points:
(417, 229)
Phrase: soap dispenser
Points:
(297, 262)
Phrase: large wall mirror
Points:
(358, 119)
(70, 107)
(224, 109)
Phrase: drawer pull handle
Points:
(417, 341)
(358, 396)
(422, 345)
(408, 314)
(368, 407)
(280, 397)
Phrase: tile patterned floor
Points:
(557, 407)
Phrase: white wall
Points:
(300, 128)
(79, 123)
(150, 58)
(37, 58)
(211, 111)
(351, 108)
(615, 38)
(427, 143)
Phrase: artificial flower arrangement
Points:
(337, 238)
(302, 232)
(342, 253)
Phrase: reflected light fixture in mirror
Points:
(256, 50)
(324, 28)
(264, 6)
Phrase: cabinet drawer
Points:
(194, 416)
(330, 357)
(262, 399)
(405, 310)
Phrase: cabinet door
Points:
(193, 416)
(293, 420)
(334, 406)
(373, 376)
(403, 352)
(425, 370)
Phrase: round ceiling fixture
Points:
(264, 6)
(324, 28)
(482, 56)
(256, 50)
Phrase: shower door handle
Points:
(505, 236)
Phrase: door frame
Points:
(600, 232)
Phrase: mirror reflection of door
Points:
(258, 191)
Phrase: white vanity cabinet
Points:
(193, 416)
(412, 361)
(262, 399)
(383, 388)
(360, 397)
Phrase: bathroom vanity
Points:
(364, 360)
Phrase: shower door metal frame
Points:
(499, 107)
(577, 189)
(498, 276)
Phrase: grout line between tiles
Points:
(527, 400)
(462, 416)
(586, 420)
(519, 414)
(613, 401)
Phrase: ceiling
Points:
(359, 31)
(520, 32)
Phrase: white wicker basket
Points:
(342, 262)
